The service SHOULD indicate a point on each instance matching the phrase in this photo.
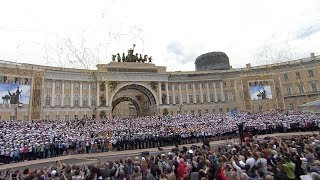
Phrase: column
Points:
(215, 92)
(194, 93)
(222, 93)
(80, 94)
(180, 94)
(98, 90)
(62, 89)
(187, 91)
(160, 95)
(53, 92)
(71, 98)
(167, 92)
(173, 95)
(107, 94)
(208, 94)
(201, 95)
(89, 94)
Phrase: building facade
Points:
(133, 88)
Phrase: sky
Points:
(81, 34)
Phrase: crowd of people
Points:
(20, 141)
(294, 158)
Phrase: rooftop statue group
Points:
(131, 58)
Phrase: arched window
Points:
(93, 100)
(76, 100)
(67, 100)
(84, 101)
(57, 101)
(48, 100)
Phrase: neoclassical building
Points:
(134, 86)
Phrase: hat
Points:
(190, 151)
(169, 153)
(53, 173)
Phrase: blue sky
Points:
(255, 90)
(59, 33)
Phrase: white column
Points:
(107, 94)
(222, 93)
(80, 93)
(215, 92)
(71, 98)
(160, 95)
(201, 95)
(194, 93)
(89, 94)
(208, 94)
(53, 92)
(167, 92)
(98, 94)
(180, 94)
(62, 89)
(187, 91)
(173, 95)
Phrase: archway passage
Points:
(126, 107)
(133, 97)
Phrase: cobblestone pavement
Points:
(115, 155)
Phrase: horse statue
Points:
(5, 100)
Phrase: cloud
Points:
(307, 32)
(180, 53)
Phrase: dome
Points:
(212, 61)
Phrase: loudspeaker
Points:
(145, 153)
(175, 150)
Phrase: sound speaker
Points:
(145, 153)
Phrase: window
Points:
(199, 111)
(300, 88)
(67, 85)
(93, 100)
(192, 112)
(226, 96)
(67, 100)
(207, 110)
(285, 76)
(185, 111)
(184, 98)
(76, 85)
(189, 86)
(220, 110)
(93, 86)
(204, 97)
(57, 100)
(66, 117)
(211, 97)
(218, 97)
(178, 112)
(310, 72)
(203, 85)
(228, 109)
(76, 100)
(291, 106)
(210, 85)
(175, 87)
(49, 84)
(260, 108)
(190, 98)
(12, 118)
(288, 88)
(170, 99)
(298, 75)
(314, 87)
(58, 85)
(48, 100)
(57, 117)
(177, 99)
(197, 98)
(85, 86)
(213, 110)
(196, 85)
(47, 117)
(84, 101)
